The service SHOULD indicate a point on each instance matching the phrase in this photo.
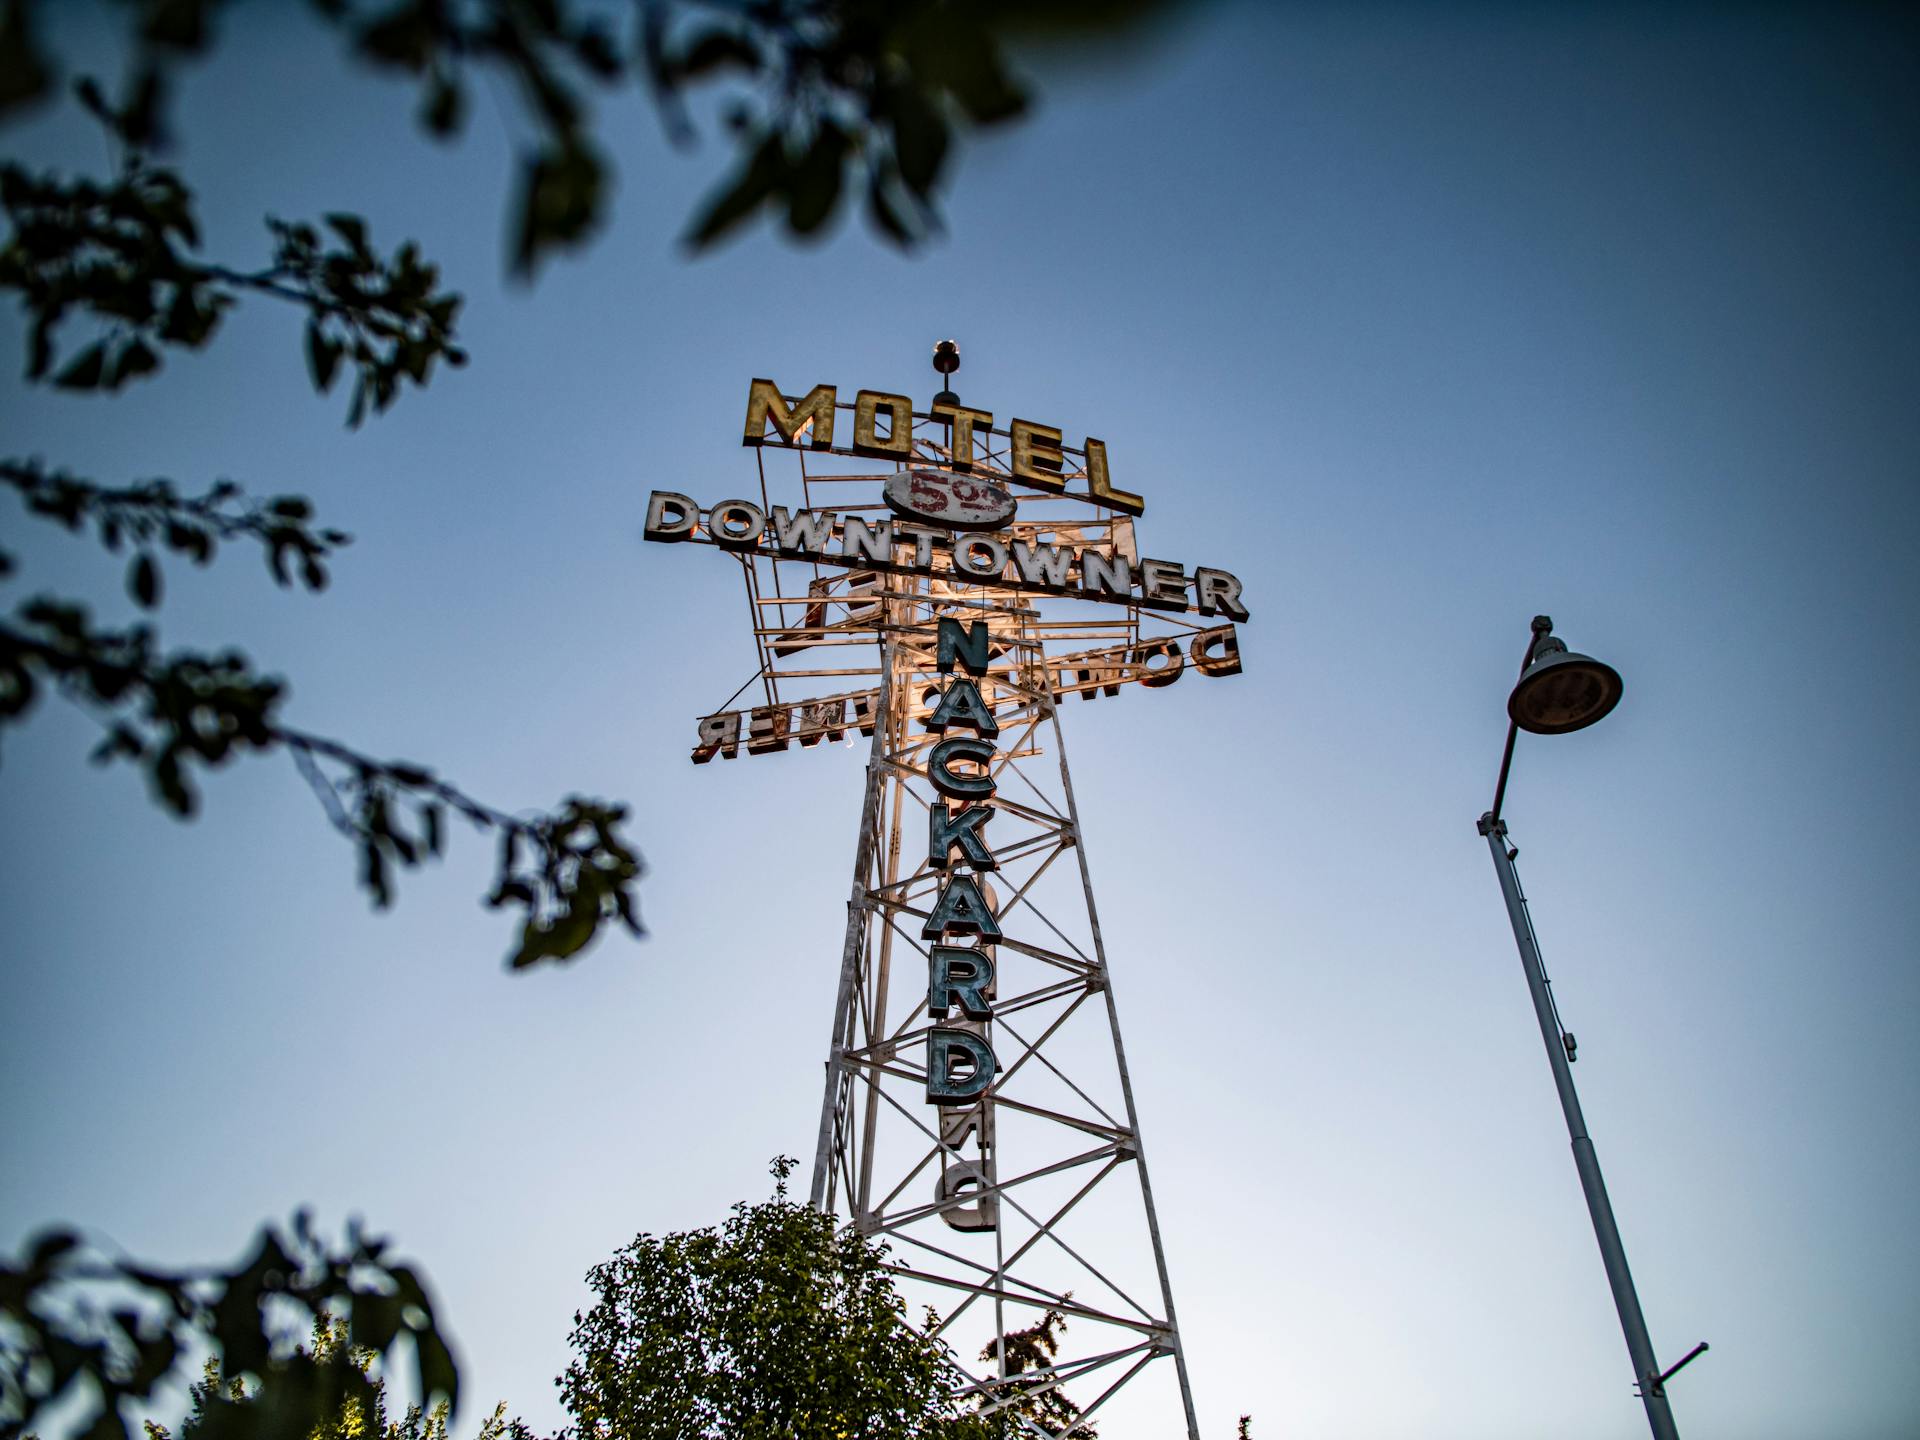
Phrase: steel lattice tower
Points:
(1027, 1203)
(1059, 1124)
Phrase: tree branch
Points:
(119, 253)
(828, 103)
(153, 514)
(570, 871)
(77, 1320)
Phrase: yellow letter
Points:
(960, 422)
(899, 441)
(765, 402)
(1036, 455)
(1101, 488)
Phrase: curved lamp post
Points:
(1560, 691)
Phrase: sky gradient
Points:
(1422, 321)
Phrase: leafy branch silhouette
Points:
(569, 870)
(121, 252)
(80, 1321)
(152, 514)
(822, 100)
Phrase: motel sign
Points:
(940, 585)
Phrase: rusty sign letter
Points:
(765, 402)
(969, 647)
(945, 829)
(949, 1083)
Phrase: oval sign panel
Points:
(958, 502)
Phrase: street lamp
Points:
(1560, 691)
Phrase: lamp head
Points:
(1562, 690)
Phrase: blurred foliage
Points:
(825, 102)
(820, 97)
(122, 253)
(219, 1399)
(119, 252)
(82, 1329)
(152, 515)
(569, 871)
(774, 1324)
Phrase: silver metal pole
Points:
(1612, 1253)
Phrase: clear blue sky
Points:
(1422, 320)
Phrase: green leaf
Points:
(404, 37)
(752, 185)
(49, 1246)
(136, 358)
(177, 25)
(40, 346)
(595, 46)
(920, 137)
(85, 370)
(156, 1357)
(140, 119)
(323, 357)
(517, 891)
(350, 228)
(375, 1320)
(969, 64)
(715, 50)
(813, 187)
(561, 189)
(885, 214)
(107, 1425)
(239, 1327)
(24, 74)
(445, 107)
(143, 581)
(92, 99)
(439, 1376)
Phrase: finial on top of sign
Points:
(946, 359)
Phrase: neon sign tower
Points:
(978, 1112)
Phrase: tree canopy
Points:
(778, 1324)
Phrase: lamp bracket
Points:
(1687, 1359)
